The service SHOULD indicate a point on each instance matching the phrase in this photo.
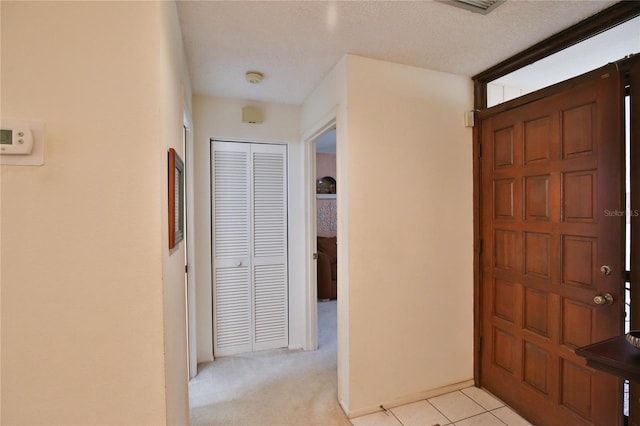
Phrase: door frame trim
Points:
(589, 27)
(631, 70)
(309, 139)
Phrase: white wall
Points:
(175, 103)
(405, 238)
(89, 315)
(218, 118)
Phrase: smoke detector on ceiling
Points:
(254, 77)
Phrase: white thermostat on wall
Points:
(17, 141)
(21, 142)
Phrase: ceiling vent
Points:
(478, 6)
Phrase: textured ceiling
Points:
(295, 43)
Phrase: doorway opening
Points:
(502, 83)
(326, 221)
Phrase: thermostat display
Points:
(17, 141)
(6, 137)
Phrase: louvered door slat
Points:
(270, 247)
(232, 310)
(270, 304)
(231, 203)
(269, 203)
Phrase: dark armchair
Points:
(327, 268)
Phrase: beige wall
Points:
(412, 253)
(219, 118)
(405, 304)
(325, 165)
(90, 296)
(175, 101)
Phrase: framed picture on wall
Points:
(176, 198)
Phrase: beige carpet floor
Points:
(272, 388)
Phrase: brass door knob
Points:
(603, 299)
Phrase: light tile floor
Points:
(467, 407)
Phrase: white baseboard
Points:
(344, 409)
(410, 398)
(295, 347)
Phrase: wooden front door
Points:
(552, 194)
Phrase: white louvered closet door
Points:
(249, 207)
(270, 246)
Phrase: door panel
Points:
(551, 169)
(250, 280)
(270, 246)
(232, 292)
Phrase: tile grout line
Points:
(499, 419)
(396, 417)
(479, 414)
(489, 394)
(504, 406)
(486, 410)
(436, 408)
(451, 422)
